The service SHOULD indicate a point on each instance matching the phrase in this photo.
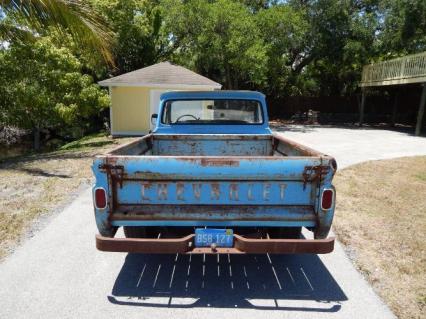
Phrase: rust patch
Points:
(209, 212)
(242, 245)
(313, 173)
(115, 171)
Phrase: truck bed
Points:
(214, 145)
(213, 180)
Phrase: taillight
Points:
(100, 198)
(327, 199)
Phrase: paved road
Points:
(59, 273)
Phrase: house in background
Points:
(135, 95)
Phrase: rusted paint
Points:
(157, 177)
(276, 140)
(197, 159)
(301, 149)
(242, 245)
(219, 212)
(145, 245)
(115, 171)
(113, 187)
(137, 147)
(210, 136)
(313, 173)
(207, 145)
(283, 246)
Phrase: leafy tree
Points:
(219, 39)
(404, 28)
(256, 5)
(284, 30)
(45, 89)
(139, 34)
(295, 47)
(341, 39)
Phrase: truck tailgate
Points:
(212, 191)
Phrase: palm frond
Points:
(77, 17)
(9, 32)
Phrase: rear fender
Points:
(325, 217)
(102, 215)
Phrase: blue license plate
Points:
(205, 237)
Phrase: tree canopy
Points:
(46, 89)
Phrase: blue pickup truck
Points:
(213, 178)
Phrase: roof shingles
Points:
(163, 73)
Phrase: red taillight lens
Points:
(327, 199)
(100, 198)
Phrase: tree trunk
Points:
(395, 109)
(36, 133)
(228, 76)
(361, 111)
(421, 111)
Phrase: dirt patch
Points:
(381, 219)
(35, 186)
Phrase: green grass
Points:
(84, 144)
(87, 142)
(421, 176)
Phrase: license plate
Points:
(205, 237)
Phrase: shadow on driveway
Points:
(282, 282)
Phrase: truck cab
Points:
(212, 112)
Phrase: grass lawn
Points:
(36, 185)
(381, 219)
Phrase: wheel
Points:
(134, 232)
(285, 232)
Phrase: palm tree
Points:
(27, 18)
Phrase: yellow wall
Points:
(130, 109)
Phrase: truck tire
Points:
(285, 232)
(134, 232)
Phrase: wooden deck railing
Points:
(404, 70)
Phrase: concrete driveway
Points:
(355, 145)
(60, 274)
